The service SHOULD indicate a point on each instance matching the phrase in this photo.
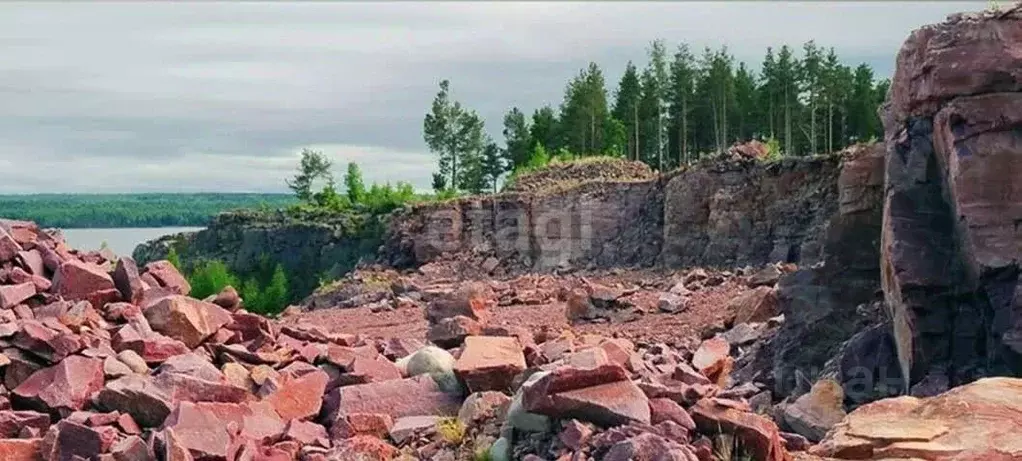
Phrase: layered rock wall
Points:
(750, 212)
(309, 249)
(597, 223)
(953, 204)
(717, 214)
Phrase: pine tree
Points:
(471, 139)
(517, 139)
(354, 185)
(584, 111)
(649, 110)
(861, 108)
(456, 135)
(545, 129)
(276, 295)
(493, 164)
(658, 74)
(314, 165)
(439, 182)
(174, 259)
(786, 74)
(626, 109)
(210, 278)
(717, 89)
(810, 80)
(745, 112)
(682, 95)
(769, 94)
(440, 131)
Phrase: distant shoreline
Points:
(145, 210)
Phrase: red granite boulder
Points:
(604, 395)
(167, 276)
(759, 435)
(489, 363)
(80, 281)
(62, 388)
(128, 281)
(12, 295)
(299, 397)
(186, 319)
(415, 396)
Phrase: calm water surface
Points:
(121, 240)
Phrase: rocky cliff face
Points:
(750, 212)
(604, 224)
(826, 304)
(953, 204)
(308, 247)
(719, 213)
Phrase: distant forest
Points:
(131, 210)
(680, 106)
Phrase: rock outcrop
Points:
(309, 248)
(978, 421)
(823, 304)
(717, 213)
(951, 242)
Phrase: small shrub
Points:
(209, 278)
(773, 149)
(173, 258)
(482, 454)
(451, 431)
(727, 447)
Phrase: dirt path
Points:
(706, 308)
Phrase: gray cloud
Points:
(222, 96)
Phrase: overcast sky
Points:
(127, 97)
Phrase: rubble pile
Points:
(557, 174)
(103, 360)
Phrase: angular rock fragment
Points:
(79, 281)
(489, 363)
(62, 388)
(186, 319)
(168, 277)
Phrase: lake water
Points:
(121, 240)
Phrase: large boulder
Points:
(80, 281)
(62, 388)
(755, 305)
(713, 358)
(950, 243)
(472, 300)
(489, 363)
(397, 398)
(816, 412)
(757, 434)
(205, 428)
(978, 421)
(603, 395)
(187, 319)
(138, 396)
(128, 280)
(168, 276)
(299, 397)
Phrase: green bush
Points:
(174, 259)
(210, 278)
(773, 149)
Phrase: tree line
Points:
(678, 108)
(130, 210)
